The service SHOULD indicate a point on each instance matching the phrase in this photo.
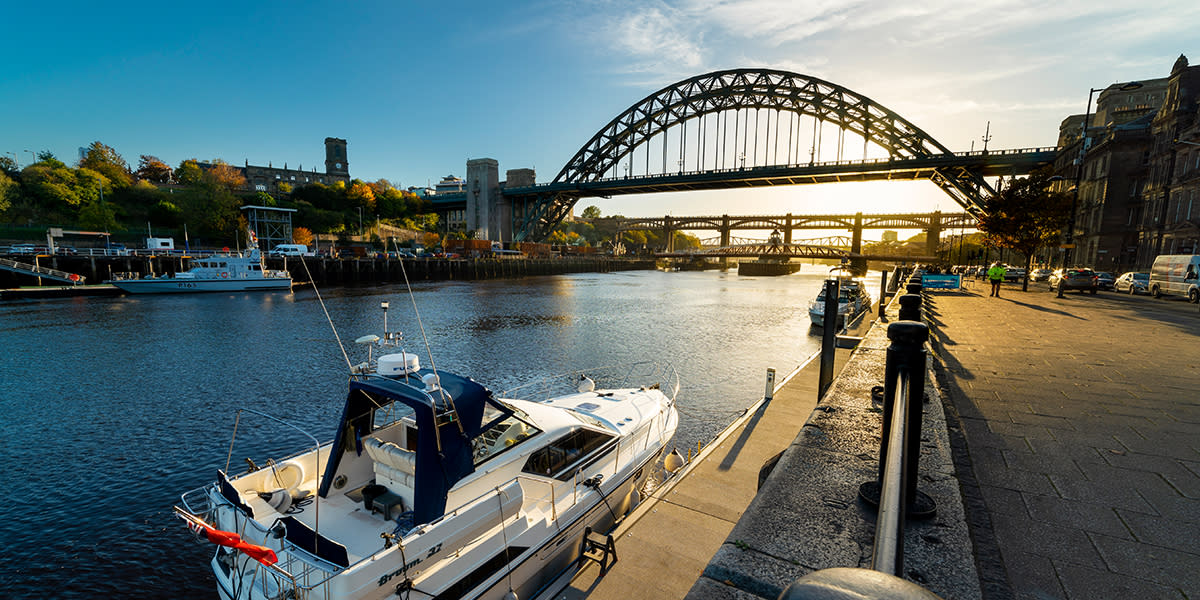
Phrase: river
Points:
(114, 406)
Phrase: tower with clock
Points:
(335, 157)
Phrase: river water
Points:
(112, 407)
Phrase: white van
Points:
(291, 250)
(1176, 274)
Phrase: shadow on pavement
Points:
(1043, 308)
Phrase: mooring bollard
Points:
(914, 288)
(883, 295)
(770, 393)
(828, 337)
(895, 490)
(910, 307)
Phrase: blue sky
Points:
(419, 89)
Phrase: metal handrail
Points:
(42, 271)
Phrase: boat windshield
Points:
(503, 434)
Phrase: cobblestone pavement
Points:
(1081, 417)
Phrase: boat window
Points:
(390, 413)
(557, 459)
(499, 437)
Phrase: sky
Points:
(419, 88)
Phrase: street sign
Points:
(1067, 246)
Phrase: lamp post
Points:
(33, 157)
(1069, 234)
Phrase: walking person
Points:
(996, 275)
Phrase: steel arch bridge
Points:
(703, 107)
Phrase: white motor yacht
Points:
(853, 300)
(434, 487)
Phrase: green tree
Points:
(1026, 215)
(7, 164)
(591, 212)
(108, 162)
(8, 192)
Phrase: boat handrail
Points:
(623, 374)
(316, 452)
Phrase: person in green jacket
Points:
(996, 276)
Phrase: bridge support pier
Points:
(933, 234)
(858, 264)
(787, 229)
(725, 239)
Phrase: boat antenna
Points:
(428, 352)
(327, 318)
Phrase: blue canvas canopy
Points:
(437, 468)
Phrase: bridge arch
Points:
(737, 89)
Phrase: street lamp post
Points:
(32, 157)
(1069, 234)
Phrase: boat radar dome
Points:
(403, 363)
(431, 382)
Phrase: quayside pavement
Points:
(1081, 420)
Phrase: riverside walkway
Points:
(1081, 418)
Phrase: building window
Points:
(277, 177)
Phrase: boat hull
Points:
(768, 268)
(172, 285)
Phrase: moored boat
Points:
(218, 273)
(434, 487)
(774, 261)
(853, 300)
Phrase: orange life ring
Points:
(224, 275)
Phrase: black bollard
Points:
(828, 337)
(883, 293)
(910, 307)
(914, 288)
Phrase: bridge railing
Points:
(36, 270)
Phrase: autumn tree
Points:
(302, 235)
(151, 168)
(1025, 215)
(591, 212)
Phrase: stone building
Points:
(1138, 168)
(268, 178)
(1171, 220)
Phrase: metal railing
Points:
(38, 271)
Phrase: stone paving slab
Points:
(1081, 417)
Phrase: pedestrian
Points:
(996, 276)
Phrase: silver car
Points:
(1133, 283)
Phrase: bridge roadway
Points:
(988, 164)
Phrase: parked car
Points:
(1105, 280)
(1040, 274)
(1073, 279)
(1013, 273)
(1133, 283)
(23, 249)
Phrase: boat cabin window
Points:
(390, 413)
(503, 435)
(559, 458)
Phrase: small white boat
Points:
(853, 300)
(434, 487)
(217, 273)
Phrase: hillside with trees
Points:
(103, 193)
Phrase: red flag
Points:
(229, 539)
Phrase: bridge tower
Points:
(933, 234)
(787, 229)
(487, 211)
(857, 265)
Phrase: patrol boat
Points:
(434, 487)
(217, 273)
